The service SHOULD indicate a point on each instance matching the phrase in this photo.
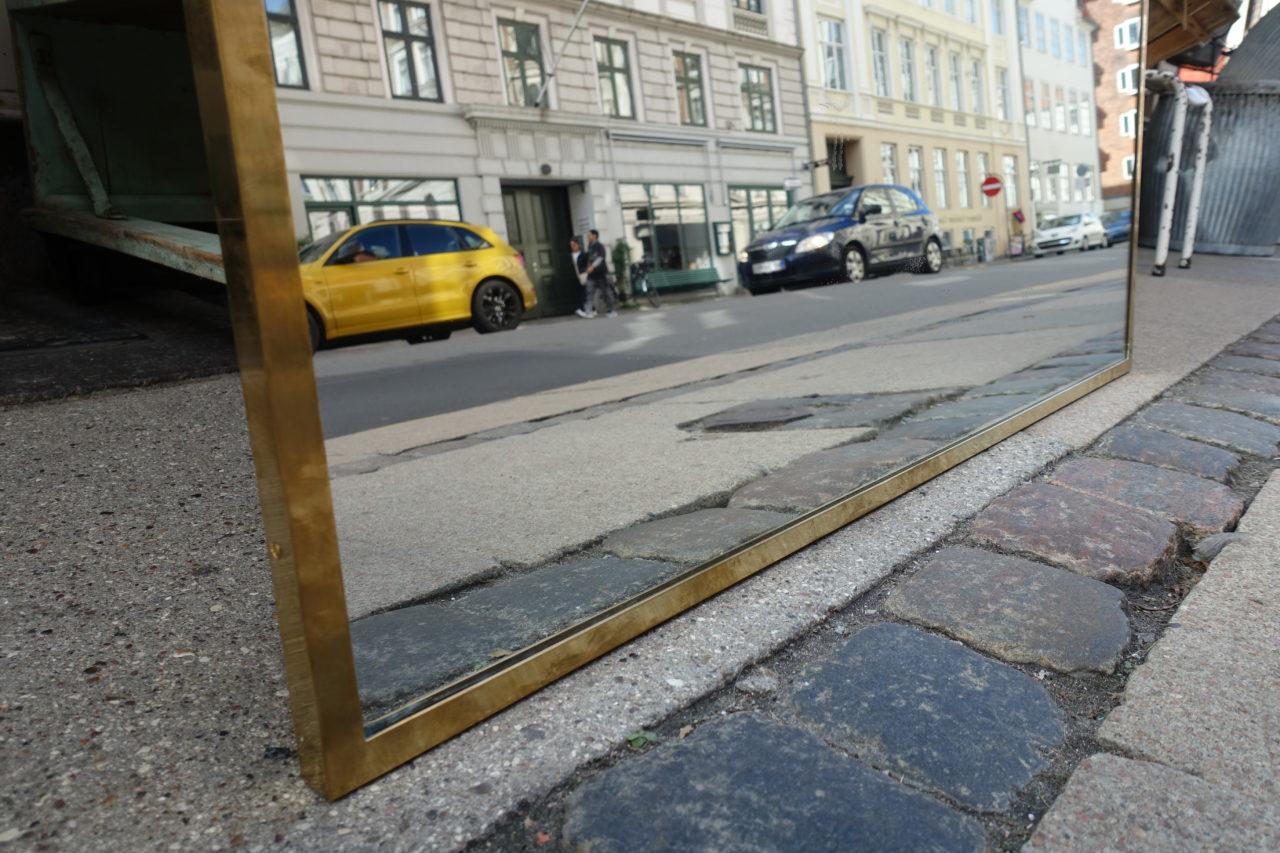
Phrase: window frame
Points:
(754, 6)
(408, 39)
(997, 17)
(1127, 167)
(1128, 34)
(941, 190)
(753, 95)
(1130, 118)
(295, 24)
(907, 71)
(504, 54)
(833, 51)
(352, 204)
(1041, 34)
(983, 166)
(752, 230)
(881, 71)
(963, 196)
(654, 248)
(683, 100)
(614, 72)
(1002, 94)
(955, 73)
(933, 73)
(915, 169)
(1122, 77)
(889, 162)
(978, 87)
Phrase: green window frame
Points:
(408, 41)
(521, 47)
(335, 203)
(757, 99)
(754, 209)
(667, 224)
(287, 58)
(613, 68)
(689, 92)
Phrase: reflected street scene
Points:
(599, 294)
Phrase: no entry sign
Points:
(991, 185)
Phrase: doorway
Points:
(538, 226)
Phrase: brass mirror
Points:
(476, 478)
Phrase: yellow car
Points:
(417, 279)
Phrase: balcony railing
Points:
(751, 23)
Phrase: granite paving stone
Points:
(1228, 429)
(990, 407)
(1039, 382)
(818, 478)
(933, 710)
(864, 411)
(1239, 379)
(747, 783)
(1203, 505)
(1095, 360)
(940, 429)
(761, 414)
(693, 537)
(1155, 447)
(1113, 346)
(1257, 349)
(1090, 536)
(1247, 364)
(1254, 403)
(1117, 804)
(1017, 610)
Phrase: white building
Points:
(674, 125)
(1057, 92)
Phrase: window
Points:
(381, 243)
(997, 17)
(756, 6)
(1040, 35)
(411, 52)
(1055, 38)
(1068, 44)
(1073, 113)
(754, 210)
(1086, 112)
(1127, 79)
(521, 48)
(666, 224)
(915, 169)
(975, 81)
(880, 62)
(1064, 183)
(1088, 184)
(889, 162)
(757, 98)
(1129, 123)
(1059, 111)
(971, 11)
(957, 85)
(834, 67)
(940, 178)
(1037, 194)
(1029, 102)
(286, 44)
(903, 202)
(1129, 34)
(433, 239)
(1002, 94)
(984, 169)
(689, 95)
(908, 54)
(1024, 26)
(1046, 107)
(613, 68)
(1127, 165)
(949, 6)
(335, 204)
(962, 178)
(1051, 183)
(932, 77)
(1083, 47)
(1011, 178)
(1080, 174)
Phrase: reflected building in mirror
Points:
(649, 121)
(923, 94)
(1118, 75)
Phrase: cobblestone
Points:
(1166, 450)
(693, 537)
(1228, 429)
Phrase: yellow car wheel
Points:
(496, 307)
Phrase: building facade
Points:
(1118, 75)
(1056, 42)
(675, 126)
(922, 93)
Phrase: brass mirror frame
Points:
(236, 89)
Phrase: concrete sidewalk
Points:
(143, 703)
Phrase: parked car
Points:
(1072, 231)
(415, 279)
(1118, 223)
(844, 236)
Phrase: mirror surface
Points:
(787, 330)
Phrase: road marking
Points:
(923, 281)
(627, 345)
(716, 319)
(640, 331)
(825, 297)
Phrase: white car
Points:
(1073, 231)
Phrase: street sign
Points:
(991, 185)
(792, 183)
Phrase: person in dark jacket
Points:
(597, 270)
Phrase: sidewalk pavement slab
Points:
(933, 710)
(1017, 610)
(1090, 536)
(1116, 804)
(1235, 432)
(1154, 447)
(1203, 505)
(693, 537)
(1238, 379)
(1247, 364)
(746, 783)
(1254, 403)
(813, 480)
(1257, 349)
(1207, 699)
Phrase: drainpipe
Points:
(555, 60)
(1167, 83)
(1197, 97)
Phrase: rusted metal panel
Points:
(195, 252)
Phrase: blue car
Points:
(844, 236)
(1117, 223)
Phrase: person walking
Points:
(597, 271)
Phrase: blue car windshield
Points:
(818, 207)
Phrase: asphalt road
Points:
(372, 385)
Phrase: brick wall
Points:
(1108, 60)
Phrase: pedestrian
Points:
(579, 260)
(597, 270)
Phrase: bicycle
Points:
(640, 285)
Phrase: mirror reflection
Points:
(599, 293)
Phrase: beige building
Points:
(922, 93)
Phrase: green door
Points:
(538, 227)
